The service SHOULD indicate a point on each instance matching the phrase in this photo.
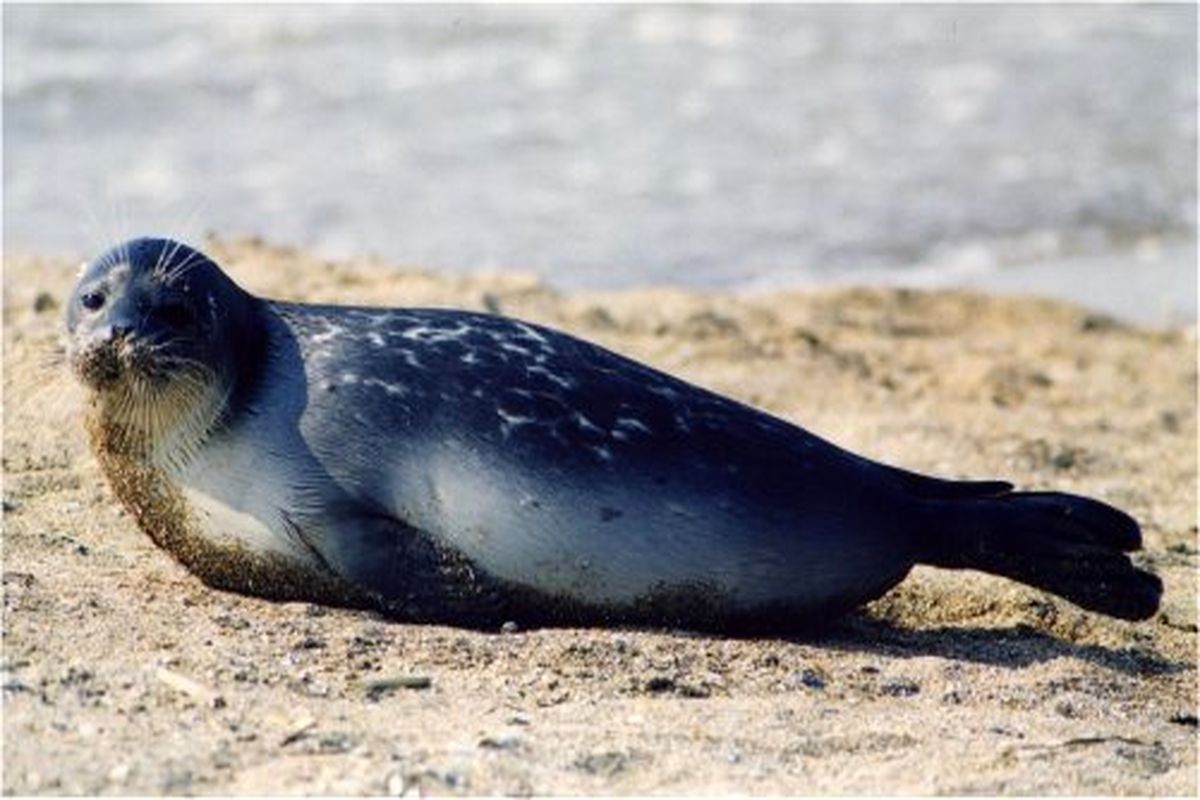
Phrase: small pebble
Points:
(811, 678)
(335, 742)
(697, 690)
(380, 686)
(900, 688)
(298, 728)
(395, 784)
(500, 742)
(185, 685)
(1066, 709)
(509, 627)
(660, 683)
(1003, 731)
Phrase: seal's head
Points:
(160, 335)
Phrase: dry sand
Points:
(123, 674)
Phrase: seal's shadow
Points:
(1013, 647)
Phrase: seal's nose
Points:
(115, 332)
(120, 322)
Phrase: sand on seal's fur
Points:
(953, 682)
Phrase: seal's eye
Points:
(175, 315)
(92, 301)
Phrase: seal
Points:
(464, 468)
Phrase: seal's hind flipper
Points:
(928, 487)
(1072, 546)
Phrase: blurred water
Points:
(612, 145)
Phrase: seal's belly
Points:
(602, 540)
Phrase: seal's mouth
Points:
(113, 362)
(98, 367)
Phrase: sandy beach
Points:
(123, 674)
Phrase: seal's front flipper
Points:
(1071, 546)
(405, 572)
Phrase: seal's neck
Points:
(160, 428)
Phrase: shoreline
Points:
(1156, 290)
(1153, 285)
(124, 674)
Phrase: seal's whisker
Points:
(121, 213)
(166, 344)
(53, 356)
(193, 259)
(194, 374)
(166, 265)
(162, 255)
(96, 231)
(189, 231)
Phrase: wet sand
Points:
(123, 674)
